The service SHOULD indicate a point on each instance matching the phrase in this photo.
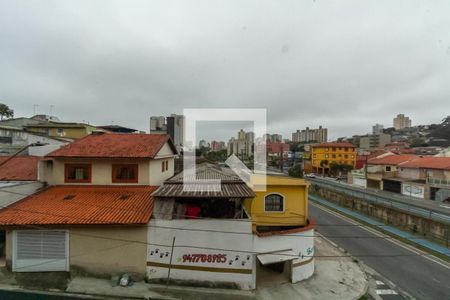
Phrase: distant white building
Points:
(377, 129)
(13, 139)
(173, 125)
(319, 135)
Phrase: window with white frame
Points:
(274, 202)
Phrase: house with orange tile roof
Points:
(93, 215)
(433, 175)
(324, 155)
(18, 178)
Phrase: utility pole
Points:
(170, 263)
(21, 150)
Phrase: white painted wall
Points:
(101, 171)
(360, 182)
(413, 190)
(202, 240)
(240, 250)
(408, 173)
(156, 176)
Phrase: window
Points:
(334, 156)
(334, 149)
(125, 173)
(274, 202)
(326, 155)
(164, 165)
(345, 149)
(345, 155)
(326, 149)
(77, 173)
(388, 168)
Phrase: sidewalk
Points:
(334, 278)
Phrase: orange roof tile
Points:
(428, 162)
(82, 205)
(110, 145)
(392, 159)
(19, 168)
(334, 144)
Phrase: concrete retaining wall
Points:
(435, 231)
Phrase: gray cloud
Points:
(344, 65)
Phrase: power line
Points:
(190, 229)
(193, 217)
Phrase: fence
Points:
(387, 201)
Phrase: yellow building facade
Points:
(63, 130)
(283, 204)
(323, 155)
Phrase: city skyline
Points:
(309, 68)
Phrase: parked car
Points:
(310, 175)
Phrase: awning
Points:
(277, 256)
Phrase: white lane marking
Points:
(386, 292)
(393, 240)
(379, 282)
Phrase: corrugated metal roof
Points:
(82, 205)
(227, 190)
(231, 185)
(207, 171)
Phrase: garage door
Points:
(40, 251)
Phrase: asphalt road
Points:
(418, 276)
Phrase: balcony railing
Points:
(438, 181)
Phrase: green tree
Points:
(323, 165)
(296, 171)
(219, 156)
(5, 111)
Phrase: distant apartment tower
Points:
(242, 147)
(400, 122)
(217, 145)
(273, 137)
(175, 128)
(250, 136)
(374, 141)
(172, 125)
(319, 135)
(377, 128)
(158, 124)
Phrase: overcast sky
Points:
(345, 65)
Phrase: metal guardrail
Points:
(384, 200)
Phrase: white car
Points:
(310, 175)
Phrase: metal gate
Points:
(40, 251)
